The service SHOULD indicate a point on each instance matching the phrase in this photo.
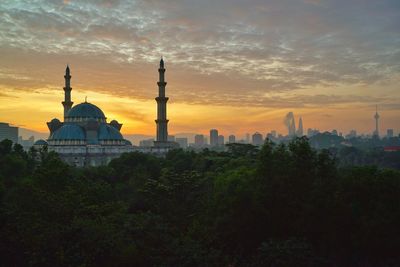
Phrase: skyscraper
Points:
(376, 132)
(231, 139)
(213, 137)
(300, 131)
(290, 124)
(161, 121)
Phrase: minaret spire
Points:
(161, 121)
(67, 92)
(376, 132)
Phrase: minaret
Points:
(376, 132)
(161, 121)
(67, 92)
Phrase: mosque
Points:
(85, 138)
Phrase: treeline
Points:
(283, 205)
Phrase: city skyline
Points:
(235, 66)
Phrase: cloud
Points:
(218, 52)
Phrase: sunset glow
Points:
(238, 66)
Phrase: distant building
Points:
(247, 138)
(389, 133)
(146, 143)
(270, 136)
(376, 117)
(300, 131)
(273, 133)
(213, 137)
(352, 134)
(26, 144)
(312, 132)
(8, 132)
(334, 132)
(231, 139)
(257, 139)
(290, 124)
(171, 138)
(182, 142)
(221, 140)
(199, 140)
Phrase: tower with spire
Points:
(161, 121)
(67, 103)
(376, 132)
(300, 131)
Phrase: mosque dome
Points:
(128, 143)
(86, 110)
(69, 132)
(40, 142)
(55, 121)
(107, 132)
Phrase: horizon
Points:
(238, 67)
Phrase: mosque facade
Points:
(85, 138)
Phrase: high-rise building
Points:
(8, 132)
(231, 139)
(334, 132)
(273, 133)
(199, 140)
(376, 132)
(290, 124)
(182, 142)
(300, 131)
(390, 133)
(213, 137)
(257, 139)
(221, 140)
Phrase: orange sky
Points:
(235, 75)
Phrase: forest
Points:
(279, 206)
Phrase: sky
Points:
(236, 65)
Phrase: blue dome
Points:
(128, 143)
(107, 132)
(68, 132)
(40, 142)
(86, 110)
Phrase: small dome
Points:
(128, 143)
(86, 110)
(107, 132)
(68, 132)
(40, 142)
